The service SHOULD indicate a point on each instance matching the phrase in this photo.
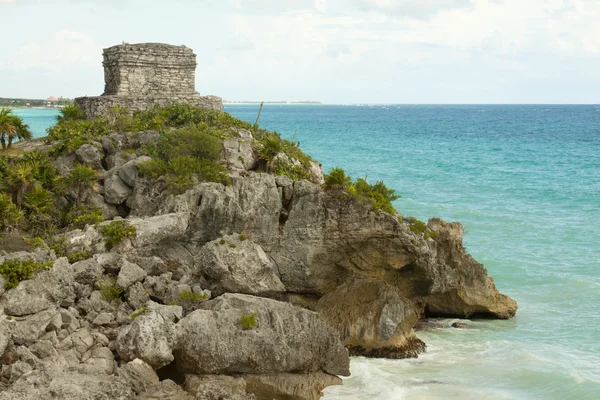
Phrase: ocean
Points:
(524, 180)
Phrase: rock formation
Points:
(140, 76)
(256, 289)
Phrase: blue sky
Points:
(352, 51)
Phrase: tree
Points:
(18, 180)
(7, 127)
(71, 112)
(11, 127)
(81, 179)
(22, 131)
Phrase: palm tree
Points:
(19, 179)
(81, 179)
(7, 127)
(22, 131)
(11, 127)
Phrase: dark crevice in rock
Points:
(170, 372)
(411, 349)
(123, 209)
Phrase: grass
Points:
(249, 320)
(378, 194)
(15, 271)
(116, 231)
(109, 289)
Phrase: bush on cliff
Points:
(183, 155)
(70, 112)
(116, 231)
(378, 195)
(15, 271)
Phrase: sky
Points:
(333, 51)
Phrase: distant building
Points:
(51, 99)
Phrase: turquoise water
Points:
(38, 119)
(525, 182)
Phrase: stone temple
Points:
(139, 76)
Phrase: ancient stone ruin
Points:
(139, 76)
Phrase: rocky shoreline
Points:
(257, 289)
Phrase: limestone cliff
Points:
(260, 288)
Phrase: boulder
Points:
(285, 338)
(373, 319)
(460, 285)
(138, 374)
(150, 338)
(239, 154)
(165, 390)
(161, 228)
(90, 155)
(27, 330)
(238, 266)
(87, 272)
(130, 274)
(48, 288)
(251, 204)
(290, 386)
(215, 386)
(129, 171)
(115, 190)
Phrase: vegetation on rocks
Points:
(12, 127)
(249, 320)
(139, 312)
(419, 227)
(189, 297)
(81, 179)
(116, 231)
(15, 271)
(183, 156)
(378, 195)
(109, 290)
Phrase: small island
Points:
(156, 247)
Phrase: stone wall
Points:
(149, 69)
(99, 106)
(140, 76)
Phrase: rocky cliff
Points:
(258, 288)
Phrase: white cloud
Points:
(412, 8)
(64, 48)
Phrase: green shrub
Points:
(84, 215)
(249, 320)
(184, 156)
(71, 112)
(232, 245)
(243, 237)
(10, 215)
(270, 146)
(378, 194)
(16, 271)
(109, 289)
(68, 136)
(116, 231)
(139, 312)
(59, 245)
(292, 171)
(222, 241)
(337, 178)
(78, 256)
(185, 115)
(80, 180)
(419, 227)
(188, 296)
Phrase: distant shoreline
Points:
(270, 102)
(31, 108)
